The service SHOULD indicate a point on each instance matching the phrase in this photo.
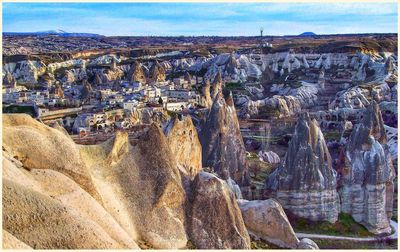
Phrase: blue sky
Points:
(224, 19)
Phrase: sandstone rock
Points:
(141, 186)
(157, 72)
(234, 188)
(26, 71)
(184, 144)
(367, 178)
(97, 79)
(187, 77)
(232, 66)
(217, 85)
(283, 106)
(109, 75)
(86, 90)
(360, 96)
(57, 125)
(10, 242)
(269, 157)
(268, 75)
(41, 202)
(206, 97)
(391, 134)
(305, 183)
(9, 80)
(266, 219)
(215, 221)
(389, 65)
(136, 73)
(59, 91)
(37, 145)
(42, 222)
(306, 243)
(222, 143)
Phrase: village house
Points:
(130, 104)
(175, 106)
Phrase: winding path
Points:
(393, 236)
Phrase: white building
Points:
(175, 106)
(151, 92)
(181, 95)
(130, 105)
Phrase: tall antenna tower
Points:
(261, 31)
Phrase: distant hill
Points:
(60, 33)
(308, 34)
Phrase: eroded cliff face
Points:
(185, 145)
(46, 209)
(206, 100)
(217, 85)
(157, 72)
(136, 73)
(141, 186)
(40, 147)
(47, 185)
(233, 66)
(266, 219)
(305, 183)
(222, 143)
(367, 179)
(215, 220)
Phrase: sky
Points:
(197, 19)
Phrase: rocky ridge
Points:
(223, 147)
(367, 179)
(305, 182)
(131, 191)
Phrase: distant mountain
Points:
(53, 32)
(308, 34)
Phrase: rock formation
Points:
(367, 179)
(59, 91)
(9, 80)
(217, 85)
(232, 65)
(10, 242)
(97, 79)
(86, 90)
(112, 195)
(215, 220)
(47, 79)
(305, 183)
(136, 73)
(206, 97)
(266, 219)
(222, 143)
(269, 156)
(37, 145)
(187, 77)
(306, 243)
(157, 72)
(185, 145)
(141, 186)
(45, 209)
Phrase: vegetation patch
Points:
(261, 244)
(340, 244)
(268, 112)
(332, 135)
(259, 170)
(233, 86)
(19, 109)
(345, 226)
